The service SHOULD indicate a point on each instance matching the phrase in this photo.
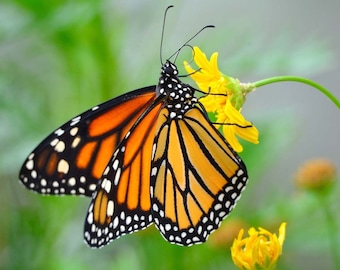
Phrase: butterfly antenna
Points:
(186, 43)
(163, 29)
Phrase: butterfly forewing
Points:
(196, 178)
(122, 202)
(72, 159)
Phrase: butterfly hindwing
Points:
(72, 159)
(196, 178)
(121, 203)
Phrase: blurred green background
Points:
(59, 58)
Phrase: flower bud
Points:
(315, 174)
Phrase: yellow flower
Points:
(225, 97)
(260, 250)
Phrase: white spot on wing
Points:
(59, 132)
(54, 142)
(115, 222)
(155, 207)
(90, 218)
(154, 171)
(60, 146)
(173, 115)
(227, 189)
(72, 181)
(63, 166)
(34, 174)
(117, 176)
(153, 150)
(92, 187)
(128, 220)
(30, 164)
(74, 131)
(218, 206)
(75, 142)
(110, 208)
(107, 186)
(115, 164)
(75, 120)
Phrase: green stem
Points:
(332, 231)
(301, 80)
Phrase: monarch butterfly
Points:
(148, 156)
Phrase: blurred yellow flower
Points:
(316, 175)
(259, 251)
(225, 97)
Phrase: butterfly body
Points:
(149, 156)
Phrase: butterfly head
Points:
(169, 69)
(178, 95)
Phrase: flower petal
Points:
(229, 134)
(260, 250)
(249, 133)
(225, 97)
